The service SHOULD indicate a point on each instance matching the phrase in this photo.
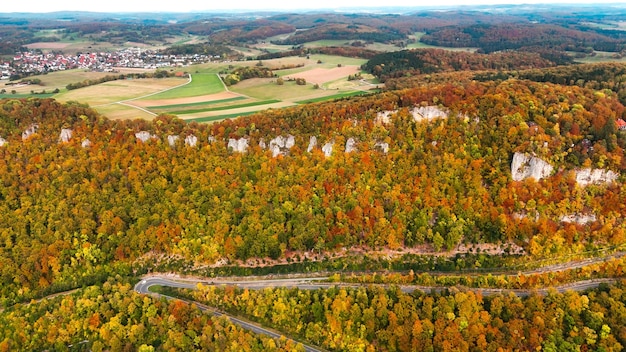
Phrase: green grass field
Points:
(19, 96)
(213, 102)
(220, 117)
(201, 84)
(332, 97)
(227, 107)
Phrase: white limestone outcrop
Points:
(281, 145)
(65, 135)
(3, 142)
(384, 117)
(312, 144)
(144, 136)
(350, 145)
(589, 176)
(171, 140)
(30, 131)
(428, 113)
(238, 145)
(581, 219)
(525, 166)
(290, 142)
(328, 149)
(262, 144)
(191, 140)
(85, 143)
(211, 139)
(382, 146)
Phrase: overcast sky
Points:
(195, 5)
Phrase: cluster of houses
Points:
(33, 62)
(5, 72)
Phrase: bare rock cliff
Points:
(525, 166)
(588, 176)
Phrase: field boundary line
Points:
(189, 80)
(136, 107)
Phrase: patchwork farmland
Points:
(201, 95)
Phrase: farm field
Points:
(205, 96)
(201, 84)
(60, 79)
(114, 91)
(124, 112)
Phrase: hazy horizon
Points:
(182, 6)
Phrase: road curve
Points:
(313, 283)
(144, 285)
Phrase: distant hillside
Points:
(426, 61)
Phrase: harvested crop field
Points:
(323, 75)
(186, 100)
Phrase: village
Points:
(35, 62)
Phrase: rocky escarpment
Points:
(281, 145)
(327, 149)
(65, 135)
(587, 176)
(171, 140)
(419, 113)
(144, 136)
(350, 145)
(30, 131)
(191, 140)
(382, 146)
(580, 219)
(525, 166)
(238, 145)
(312, 144)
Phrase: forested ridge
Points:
(426, 61)
(498, 166)
(70, 211)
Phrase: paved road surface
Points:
(313, 284)
(144, 285)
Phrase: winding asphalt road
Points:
(314, 283)
(144, 285)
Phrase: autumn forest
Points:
(468, 171)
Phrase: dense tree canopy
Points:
(71, 210)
